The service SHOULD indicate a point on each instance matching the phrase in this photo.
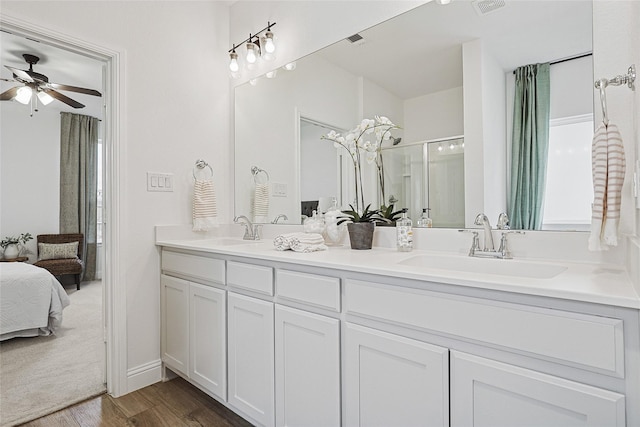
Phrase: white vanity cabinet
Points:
(307, 368)
(174, 311)
(251, 353)
(193, 317)
(317, 346)
(391, 380)
(486, 393)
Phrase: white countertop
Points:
(588, 282)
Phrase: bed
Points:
(31, 301)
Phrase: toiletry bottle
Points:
(404, 233)
(424, 221)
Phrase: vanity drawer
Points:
(583, 341)
(255, 278)
(319, 291)
(193, 266)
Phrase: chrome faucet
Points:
(489, 251)
(251, 231)
(482, 220)
(283, 216)
(503, 222)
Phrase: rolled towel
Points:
(305, 247)
(299, 240)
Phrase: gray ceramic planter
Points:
(361, 234)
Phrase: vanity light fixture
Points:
(257, 47)
(233, 64)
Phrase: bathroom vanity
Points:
(379, 337)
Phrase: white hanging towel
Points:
(608, 165)
(205, 210)
(261, 203)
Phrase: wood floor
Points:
(174, 403)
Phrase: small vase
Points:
(361, 234)
(11, 252)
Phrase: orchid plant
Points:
(365, 139)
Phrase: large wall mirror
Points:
(444, 73)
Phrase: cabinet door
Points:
(251, 382)
(393, 381)
(207, 338)
(307, 369)
(493, 394)
(175, 323)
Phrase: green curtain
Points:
(79, 183)
(530, 145)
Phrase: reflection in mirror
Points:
(454, 78)
(428, 175)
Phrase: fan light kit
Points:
(257, 47)
(39, 84)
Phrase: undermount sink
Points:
(502, 267)
(223, 241)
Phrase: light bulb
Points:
(23, 95)
(439, 147)
(233, 64)
(290, 66)
(251, 53)
(45, 98)
(451, 146)
(271, 74)
(269, 45)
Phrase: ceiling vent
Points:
(484, 7)
(356, 38)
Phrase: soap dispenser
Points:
(404, 233)
(424, 221)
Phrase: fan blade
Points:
(21, 74)
(64, 98)
(9, 94)
(74, 89)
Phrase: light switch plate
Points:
(159, 181)
(279, 189)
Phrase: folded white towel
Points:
(299, 242)
(205, 210)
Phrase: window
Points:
(567, 199)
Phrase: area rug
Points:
(43, 374)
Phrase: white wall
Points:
(433, 116)
(29, 172)
(176, 111)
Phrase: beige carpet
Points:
(43, 374)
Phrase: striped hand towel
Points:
(261, 203)
(299, 242)
(205, 210)
(608, 165)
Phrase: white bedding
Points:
(31, 301)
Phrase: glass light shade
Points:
(24, 95)
(233, 64)
(251, 53)
(45, 98)
(269, 45)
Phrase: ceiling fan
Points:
(39, 84)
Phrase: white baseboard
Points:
(144, 375)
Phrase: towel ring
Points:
(255, 171)
(200, 165)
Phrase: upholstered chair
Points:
(59, 255)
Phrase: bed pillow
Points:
(57, 250)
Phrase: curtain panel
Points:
(530, 146)
(79, 183)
